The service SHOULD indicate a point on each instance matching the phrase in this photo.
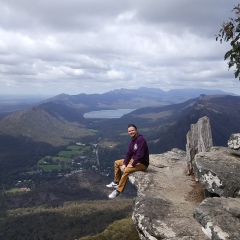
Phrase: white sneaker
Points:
(114, 194)
(112, 184)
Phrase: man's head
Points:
(132, 131)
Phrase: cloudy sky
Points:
(92, 46)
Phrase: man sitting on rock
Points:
(136, 159)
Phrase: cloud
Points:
(73, 46)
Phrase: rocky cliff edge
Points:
(166, 200)
(171, 204)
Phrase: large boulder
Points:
(220, 218)
(218, 171)
(234, 141)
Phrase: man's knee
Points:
(119, 162)
(128, 170)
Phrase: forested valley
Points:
(69, 220)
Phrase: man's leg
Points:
(117, 170)
(127, 171)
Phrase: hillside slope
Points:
(53, 123)
(168, 125)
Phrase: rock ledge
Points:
(166, 199)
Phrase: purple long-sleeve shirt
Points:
(138, 150)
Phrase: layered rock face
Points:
(219, 172)
(220, 218)
(234, 141)
(170, 203)
(199, 139)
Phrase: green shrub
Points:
(121, 229)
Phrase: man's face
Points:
(132, 132)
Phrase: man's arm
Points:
(139, 154)
(128, 156)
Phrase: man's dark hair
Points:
(132, 125)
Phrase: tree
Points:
(230, 31)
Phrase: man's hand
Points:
(123, 167)
(129, 165)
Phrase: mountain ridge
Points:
(135, 98)
(223, 112)
(58, 122)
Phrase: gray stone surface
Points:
(218, 171)
(199, 139)
(234, 141)
(220, 218)
(166, 199)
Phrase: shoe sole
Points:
(111, 186)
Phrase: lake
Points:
(107, 113)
